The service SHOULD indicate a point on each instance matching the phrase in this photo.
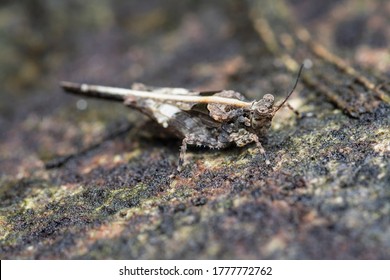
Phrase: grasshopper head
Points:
(261, 113)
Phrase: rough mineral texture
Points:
(91, 179)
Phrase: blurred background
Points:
(166, 42)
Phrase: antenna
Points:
(291, 92)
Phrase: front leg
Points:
(243, 137)
(260, 148)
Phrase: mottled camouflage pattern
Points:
(213, 125)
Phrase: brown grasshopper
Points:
(215, 119)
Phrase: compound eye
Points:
(269, 98)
